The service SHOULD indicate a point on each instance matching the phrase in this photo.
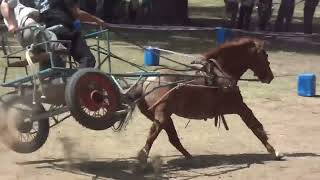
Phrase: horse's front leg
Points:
(257, 128)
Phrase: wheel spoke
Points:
(101, 112)
(105, 110)
(94, 114)
(28, 135)
(22, 137)
(35, 130)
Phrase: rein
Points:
(177, 53)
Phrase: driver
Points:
(68, 14)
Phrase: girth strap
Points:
(218, 119)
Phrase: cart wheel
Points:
(92, 98)
(18, 132)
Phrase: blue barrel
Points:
(306, 84)
(223, 34)
(151, 56)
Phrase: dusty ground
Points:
(293, 122)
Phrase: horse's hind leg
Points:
(153, 134)
(257, 128)
(174, 139)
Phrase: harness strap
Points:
(163, 96)
(218, 119)
(226, 75)
(34, 75)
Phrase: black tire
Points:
(80, 101)
(12, 114)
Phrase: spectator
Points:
(232, 8)
(264, 13)
(88, 6)
(245, 14)
(285, 14)
(309, 9)
(133, 10)
(105, 9)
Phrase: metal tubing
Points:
(98, 51)
(42, 74)
(109, 52)
(49, 114)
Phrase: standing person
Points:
(309, 9)
(232, 8)
(99, 9)
(105, 9)
(246, 8)
(67, 13)
(88, 6)
(285, 15)
(264, 13)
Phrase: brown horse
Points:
(194, 99)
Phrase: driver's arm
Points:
(86, 17)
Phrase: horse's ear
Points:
(253, 47)
(259, 44)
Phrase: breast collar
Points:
(221, 78)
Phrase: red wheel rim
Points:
(96, 95)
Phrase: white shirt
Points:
(20, 12)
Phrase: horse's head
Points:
(259, 63)
(235, 57)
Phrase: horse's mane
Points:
(230, 46)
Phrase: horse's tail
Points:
(135, 94)
(133, 97)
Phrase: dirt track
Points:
(293, 123)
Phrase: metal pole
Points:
(109, 53)
(98, 51)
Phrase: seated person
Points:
(66, 13)
(17, 16)
(8, 15)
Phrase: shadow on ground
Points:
(125, 168)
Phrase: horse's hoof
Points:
(278, 156)
(189, 157)
(142, 158)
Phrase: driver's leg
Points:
(80, 51)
